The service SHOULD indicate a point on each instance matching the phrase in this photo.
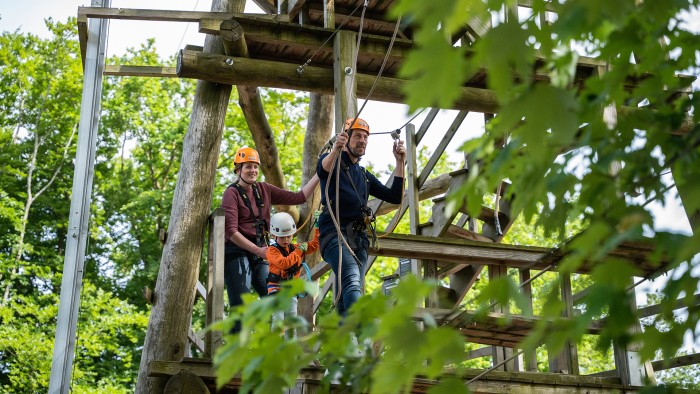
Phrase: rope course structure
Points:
(276, 50)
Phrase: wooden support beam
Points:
(140, 71)
(440, 149)
(324, 290)
(309, 38)
(201, 291)
(441, 217)
(477, 353)
(652, 310)
(196, 340)
(241, 71)
(460, 251)
(676, 362)
(369, 21)
(461, 233)
(431, 188)
(296, 6)
(266, 6)
(170, 15)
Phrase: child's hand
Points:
(303, 246)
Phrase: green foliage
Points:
(561, 148)
(268, 363)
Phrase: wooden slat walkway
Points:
(310, 380)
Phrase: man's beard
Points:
(353, 151)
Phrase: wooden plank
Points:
(656, 309)
(477, 353)
(431, 188)
(459, 232)
(676, 362)
(196, 340)
(377, 25)
(170, 15)
(309, 38)
(140, 71)
(460, 251)
(324, 291)
(426, 124)
(201, 291)
(266, 5)
(296, 6)
(215, 279)
(204, 370)
(440, 149)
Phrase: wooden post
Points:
(344, 72)
(628, 364)
(215, 279)
(530, 358)
(567, 360)
(501, 353)
(168, 324)
(412, 190)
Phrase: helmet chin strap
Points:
(240, 178)
(246, 182)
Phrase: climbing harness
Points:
(260, 224)
(335, 166)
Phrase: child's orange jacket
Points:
(281, 264)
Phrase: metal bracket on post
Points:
(78, 223)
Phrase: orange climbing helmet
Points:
(246, 155)
(360, 124)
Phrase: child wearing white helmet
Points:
(286, 258)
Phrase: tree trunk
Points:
(166, 337)
(251, 104)
(318, 131)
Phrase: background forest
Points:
(139, 152)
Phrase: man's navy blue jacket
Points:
(350, 202)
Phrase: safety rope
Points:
(336, 163)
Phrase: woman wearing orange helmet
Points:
(247, 205)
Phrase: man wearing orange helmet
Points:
(247, 205)
(355, 186)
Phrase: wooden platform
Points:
(310, 380)
(465, 252)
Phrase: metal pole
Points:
(64, 344)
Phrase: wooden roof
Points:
(275, 38)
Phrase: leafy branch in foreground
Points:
(378, 348)
(595, 147)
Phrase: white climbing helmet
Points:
(282, 224)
